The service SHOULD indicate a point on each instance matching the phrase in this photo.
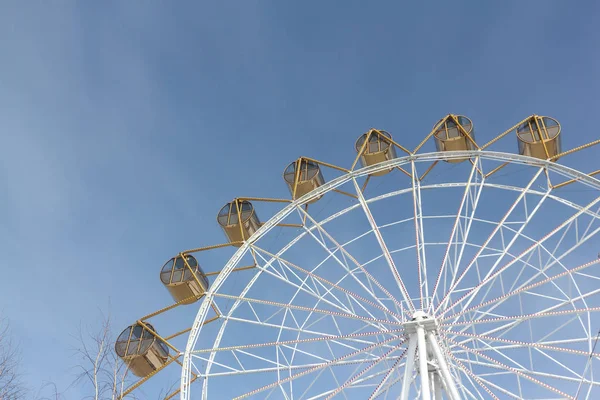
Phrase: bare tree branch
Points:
(101, 371)
(54, 395)
(11, 387)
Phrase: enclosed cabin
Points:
(454, 133)
(184, 279)
(539, 137)
(141, 350)
(238, 220)
(302, 177)
(378, 148)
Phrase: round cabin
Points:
(238, 220)
(141, 350)
(378, 149)
(539, 137)
(451, 135)
(302, 177)
(184, 283)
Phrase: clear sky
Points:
(125, 126)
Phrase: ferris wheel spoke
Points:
(583, 340)
(566, 202)
(367, 369)
(470, 376)
(546, 312)
(517, 343)
(306, 331)
(338, 342)
(339, 306)
(514, 370)
(419, 238)
(554, 260)
(524, 289)
(486, 342)
(504, 329)
(505, 372)
(559, 363)
(515, 310)
(387, 375)
(579, 240)
(276, 366)
(468, 394)
(383, 246)
(307, 309)
(282, 276)
(497, 228)
(362, 382)
(346, 255)
(329, 286)
(332, 370)
(487, 384)
(520, 318)
(454, 232)
(380, 336)
(197, 329)
(311, 385)
(493, 275)
(508, 247)
(316, 368)
(517, 321)
(386, 388)
(320, 298)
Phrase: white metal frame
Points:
(423, 332)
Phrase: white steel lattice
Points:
(465, 287)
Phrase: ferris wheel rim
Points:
(569, 173)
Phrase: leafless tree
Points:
(100, 373)
(11, 387)
(100, 370)
(48, 386)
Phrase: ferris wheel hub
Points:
(420, 319)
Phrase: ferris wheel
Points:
(462, 273)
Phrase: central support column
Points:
(423, 369)
(443, 367)
(437, 386)
(432, 367)
(409, 366)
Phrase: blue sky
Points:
(125, 127)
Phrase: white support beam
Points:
(443, 368)
(423, 369)
(437, 386)
(409, 367)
